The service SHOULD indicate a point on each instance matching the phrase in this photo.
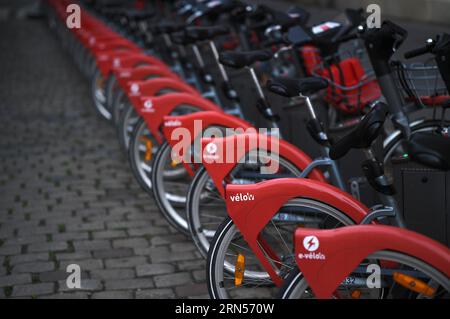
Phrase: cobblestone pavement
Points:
(67, 194)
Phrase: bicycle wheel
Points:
(128, 118)
(206, 208)
(98, 92)
(143, 147)
(228, 245)
(399, 277)
(111, 87)
(118, 105)
(171, 182)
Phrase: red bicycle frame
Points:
(141, 73)
(153, 109)
(188, 123)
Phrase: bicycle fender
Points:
(193, 126)
(104, 59)
(195, 123)
(141, 73)
(230, 150)
(252, 206)
(153, 109)
(135, 59)
(336, 253)
(137, 89)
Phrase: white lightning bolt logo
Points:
(311, 243)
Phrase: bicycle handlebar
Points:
(419, 51)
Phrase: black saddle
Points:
(205, 33)
(430, 149)
(364, 134)
(241, 59)
(290, 87)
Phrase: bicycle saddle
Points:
(241, 59)
(290, 87)
(430, 149)
(364, 134)
(205, 33)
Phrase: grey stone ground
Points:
(67, 194)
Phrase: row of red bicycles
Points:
(270, 220)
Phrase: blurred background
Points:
(431, 11)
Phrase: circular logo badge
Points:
(134, 88)
(148, 104)
(311, 243)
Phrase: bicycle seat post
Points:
(229, 91)
(263, 99)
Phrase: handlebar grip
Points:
(417, 52)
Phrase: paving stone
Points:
(58, 275)
(179, 247)
(146, 231)
(149, 251)
(86, 226)
(126, 224)
(171, 280)
(25, 258)
(125, 262)
(140, 283)
(10, 250)
(33, 289)
(119, 273)
(116, 294)
(155, 294)
(154, 269)
(86, 285)
(98, 244)
(34, 267)
(170, 257)
(167, 239)
(67, 295)
(108, 234)
(15, 279)
(85, 264)
(70, 236)
(130, 243)
(114, 253)
(52, 246)
(26, 240)
(191, 290)
(73, 256)
(199, 275)
(33, 230)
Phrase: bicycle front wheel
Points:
(228, 246)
